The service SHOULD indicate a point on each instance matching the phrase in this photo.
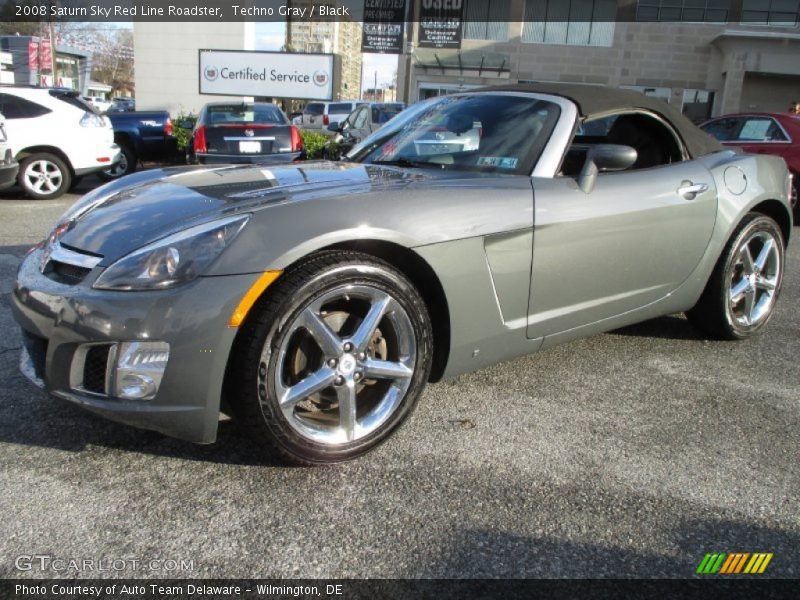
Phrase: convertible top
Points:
(595, 99)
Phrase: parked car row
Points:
(47, 157)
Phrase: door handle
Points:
(690, 190)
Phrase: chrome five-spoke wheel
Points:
(741, 293)
(344, 365)
(754, 278)
(333, 358)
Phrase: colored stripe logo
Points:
(723, 563)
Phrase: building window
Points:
(570, 22)
(697, 104)
(486, 20)
(696, 11)
(783, 13)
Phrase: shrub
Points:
(181, 134)
(313, 142)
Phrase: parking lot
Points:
(630, 454)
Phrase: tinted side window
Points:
(19, 108)
(315, 109)
(722, 129)
(761, 130)
(340, 107)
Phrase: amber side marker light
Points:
(255, 291)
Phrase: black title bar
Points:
(753, 12)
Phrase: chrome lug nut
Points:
(339, 380)
(332, 363)
(358, 375)
(348, 347)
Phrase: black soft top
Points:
(595, 99)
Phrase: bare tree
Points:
(113, 59)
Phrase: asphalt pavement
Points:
(629, 454)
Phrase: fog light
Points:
(139, 369)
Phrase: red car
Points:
(763, 133)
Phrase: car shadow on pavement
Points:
(40, 420)
(673, 327)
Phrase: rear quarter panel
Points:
(765, 177)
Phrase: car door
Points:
(629, 242)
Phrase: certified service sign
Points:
(275, 74)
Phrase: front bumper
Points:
(8, 173)
(57, 319)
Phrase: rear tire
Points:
(44, 176)
(740, 295)
(331, 360)
(126, 165)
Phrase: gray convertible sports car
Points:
(315, 300)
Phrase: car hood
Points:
(130, 213)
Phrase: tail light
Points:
(168, 127)
(297, 141)
(326, 120)
(200, 140)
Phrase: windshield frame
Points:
(543, 159)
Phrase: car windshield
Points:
(478, 132)
(244, 113)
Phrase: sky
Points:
(271, 36)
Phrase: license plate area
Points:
(249, 147)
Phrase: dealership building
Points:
(707, 57)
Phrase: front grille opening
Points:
(94, 369)
(66, 273)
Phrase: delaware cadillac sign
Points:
(274, 74)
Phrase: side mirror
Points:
(334, 127)
(604, 157)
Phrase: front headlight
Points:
(173, 260)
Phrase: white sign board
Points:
(274, 74)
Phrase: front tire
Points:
(332, 360)
(44, 176)
(740, 296)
